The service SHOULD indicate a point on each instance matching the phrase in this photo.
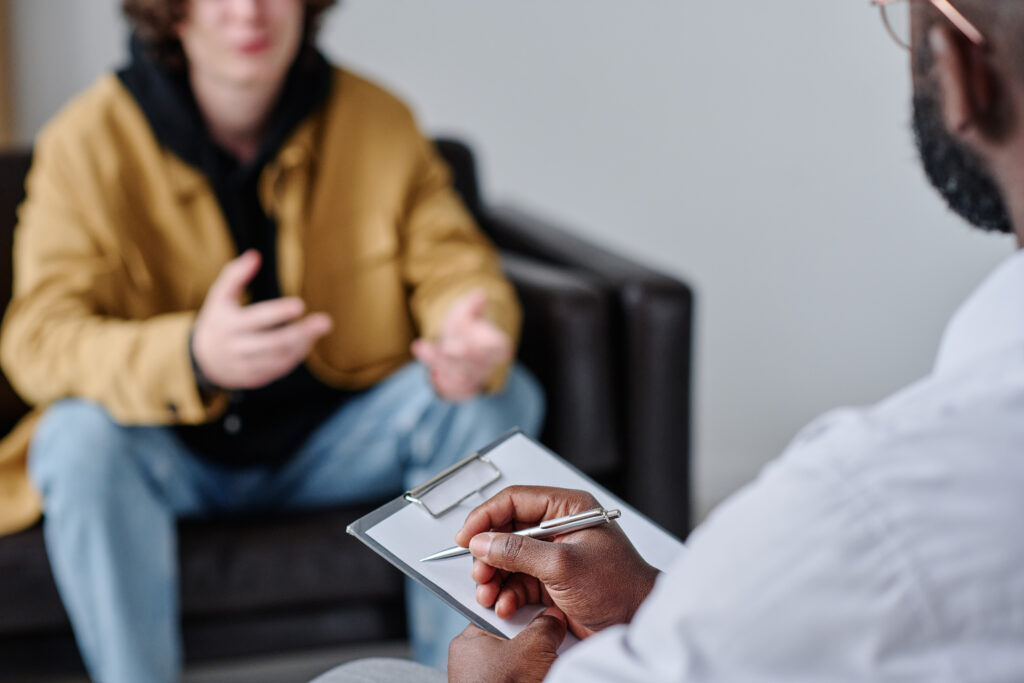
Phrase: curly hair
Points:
(154, 21)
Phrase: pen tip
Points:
(454, 551)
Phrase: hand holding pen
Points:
(546, 529)
(594, 575)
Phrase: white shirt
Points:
(886, 544)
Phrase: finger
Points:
(522, 554)
(469, 306)
(529, 504)
(484, 340)
(473, 631)
(557, 614)
(517, 591)
(235, 276)
(463, 378)
(475, 303)
(425, 352)
(546, 632)
(482, 572)
(469, 373)
(471, 351)
(471, 652)
(486, 354)
(496, 347)
(259, 370)
(289, 341)
(453, 380)
(466, 309)
(452, 387)
(466, 332)
(454, 346)
(267, 314)
(317, 325)
(259, 376)
(266, 368)
(487, 593)
(450, 366)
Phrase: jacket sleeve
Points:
(446, 255)
(62, 336)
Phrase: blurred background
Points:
(758, 150)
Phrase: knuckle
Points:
(585, 499)
(512, 548)
(521, 592)
(546, 622)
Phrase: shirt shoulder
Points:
(958, 428)
(882, 545)
(936, 471)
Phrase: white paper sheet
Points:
(411, 533)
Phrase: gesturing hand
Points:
(595, 576)
(244, 347)
(467, 352)
(475, 655)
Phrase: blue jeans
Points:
(112, 495)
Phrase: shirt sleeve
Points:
(794, 579)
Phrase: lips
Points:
(254, 46)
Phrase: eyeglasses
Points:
(896, 16)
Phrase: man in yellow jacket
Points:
(228, 255)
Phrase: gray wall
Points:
(759, 150)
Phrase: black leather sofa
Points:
(610, 341)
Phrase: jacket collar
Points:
(297, 151)
(992, 318)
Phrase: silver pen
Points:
(552, 527)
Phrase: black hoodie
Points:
(268, 425)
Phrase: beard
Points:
(957, 172)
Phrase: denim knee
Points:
(526, 399)
(77, 448)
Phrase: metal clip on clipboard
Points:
(449, 488)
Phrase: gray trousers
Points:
(382, 670)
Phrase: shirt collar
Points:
(991, 319)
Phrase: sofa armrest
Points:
(651, 325)
(565, 343)
(516, 230)
(14, 165)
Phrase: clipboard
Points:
(424, 520)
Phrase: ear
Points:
(965, 80)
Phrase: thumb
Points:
(545, 632)
(522, 554)
(235, 276)
(425, 352)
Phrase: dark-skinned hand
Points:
(476, 656)
(595, 576)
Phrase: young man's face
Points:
(242, 43)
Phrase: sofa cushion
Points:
(228, 565)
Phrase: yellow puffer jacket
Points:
(119, 241)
